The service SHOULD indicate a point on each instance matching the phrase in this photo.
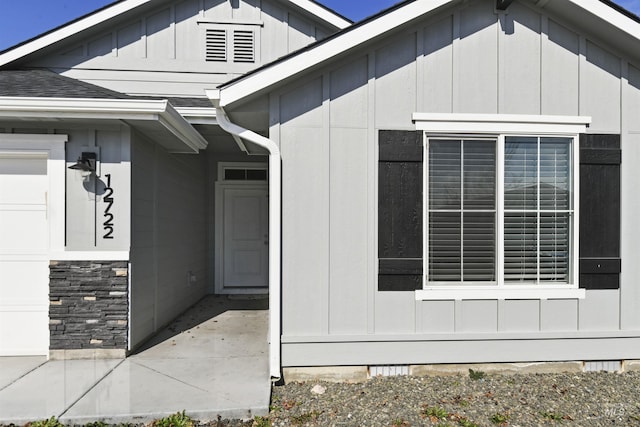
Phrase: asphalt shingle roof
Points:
(47, 84)
(41, 83)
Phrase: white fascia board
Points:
(499, 123)
(105, 109)
(322, 13)
(609, 14)
(69, 30)
(306, 59)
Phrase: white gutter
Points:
(198, 115)
(159, 111)
(275, 244)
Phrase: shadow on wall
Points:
(206, 309)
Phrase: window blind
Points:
(537, 209)
(462, 210)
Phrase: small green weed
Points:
(476, 375)
(259, 421)
(51, 422)
(464, 422)
(97, 424)
(399, 422)
(552, 416)
(179, 419)
(434, 413)
(305, 417)
(499, 418)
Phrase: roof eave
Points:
(323, 13)
(129, 110)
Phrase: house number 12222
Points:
(108, 200)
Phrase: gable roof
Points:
(396, 16)
(121, 7)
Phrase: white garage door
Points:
(24, 246)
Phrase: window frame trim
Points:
(499, 127)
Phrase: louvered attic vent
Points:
(216, 45)
(243, 46)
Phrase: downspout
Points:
(275, 245)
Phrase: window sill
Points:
(502, 293)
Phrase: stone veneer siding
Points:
(88, 305)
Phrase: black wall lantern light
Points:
(86, 162)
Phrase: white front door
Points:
(24, 247)
(243, 240)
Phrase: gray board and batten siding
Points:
(461, 59)
(84, 204)
(183, 47)
(168, 239)
(163, 212)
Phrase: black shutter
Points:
(600, 159)
(400, 211)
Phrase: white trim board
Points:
(433, 293)
(90, 256)
(500, 123)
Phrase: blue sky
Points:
(24, 19)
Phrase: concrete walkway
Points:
(211, 361)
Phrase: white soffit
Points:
(158, 112)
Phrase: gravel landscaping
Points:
(586, 399)
(474, 399)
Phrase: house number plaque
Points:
(108, 200)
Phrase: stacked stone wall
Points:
(88, 305)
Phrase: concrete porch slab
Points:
(211, 361)
(14, 368)
(50, 389)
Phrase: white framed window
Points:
(240, 172)
(500, 206)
